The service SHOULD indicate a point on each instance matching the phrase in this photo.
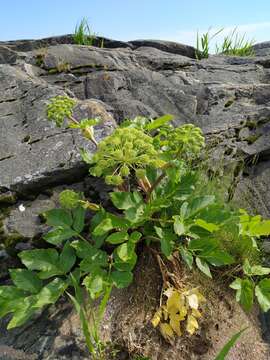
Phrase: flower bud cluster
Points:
(185, 140)
(125, 150)
(60, 108)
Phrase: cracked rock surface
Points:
(228, 97)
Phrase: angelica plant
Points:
(157, 200)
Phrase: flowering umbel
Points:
(126, 150)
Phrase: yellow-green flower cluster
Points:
(125, 150)
(60, 108)
(185, 140)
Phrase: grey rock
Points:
(166, 46)
(228, 97)
(7, 56)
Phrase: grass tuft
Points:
(83, 34)
(233, 44)
(236, 45)
(203, 44)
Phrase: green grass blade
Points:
(227, 347)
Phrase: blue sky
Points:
(174, 20)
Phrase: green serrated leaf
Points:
(78, 219)
(67, 258)
(22, 312)
(96, 259)
(125, 257)
(50, 293)
(58, 235)
(83, 249)
(26, 280)
(255, 269)
(260, 229)
(44, 260)
(207, 226)
(125, 251)
(109, 223)
(122, 279)
(10, 298)
(178, 225)
(203, 266)
(218, 258)
(262, 292)
(94, 285)
(244, 292)
(125, 200)
(135, 237)
(199, 203)
(118, 237)
(186, 256)
(203, 245)
(167, 238)
(58, 217)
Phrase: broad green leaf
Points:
(166, 240)
(135, 237)
(260, 229)
(216, 214)
(67, 258)
(157, 123)
(96, 259)
(96, 220)
(58, 217)
(186, 186)
(109, 223)
(262, 292)
(94, 285)
(50, 293)
(125, 251)
(26, 280)
(136, 214)
(118, 237)
(83, 248)
(186, 256)
(125, 200)
(127, 259)
(199, 203)
(178, 225)
(121, 279)
(44, 260)
(78, 219)
(218, 258)
(203, 266)
(207, 226)
(10, 298)
(103, 227)
(22, 312)
(227, 347)
(247, 293)
(204, 245)
(183, 210)
(58, 235)
(244, 292)
(236, 285)
(255, 269)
